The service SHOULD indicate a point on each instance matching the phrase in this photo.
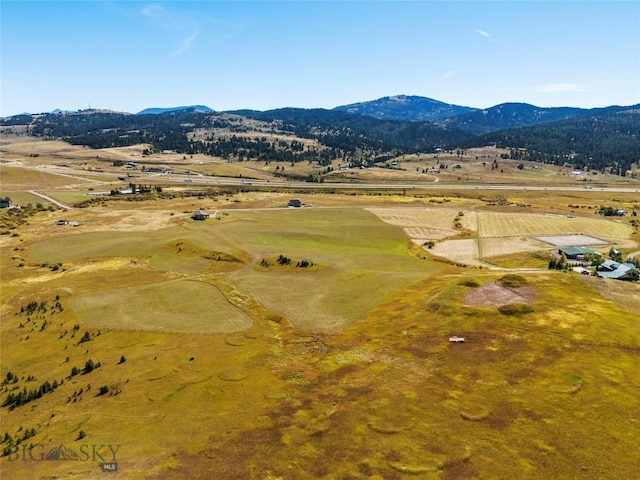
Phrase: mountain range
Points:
(412, 108)
(588, 138)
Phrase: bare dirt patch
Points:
(493, 295)
(130, 220)
(568, 240)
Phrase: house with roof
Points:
(200, 215)
(618, 271)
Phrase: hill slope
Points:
(597, 141)
(408, 108)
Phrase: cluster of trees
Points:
(89, 367)
(42, 307)
(24, 396)
(283, 260)
(14, 217)
(12, 443)
(558, 263)
(261, 149)
(608, 211)
(9, 378)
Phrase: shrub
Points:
(512, 281)
(282, 260)
(515, 309)
(89, 366)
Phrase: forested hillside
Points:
(594, 139)
(595, 142)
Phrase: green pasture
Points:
(165, 250)
(359, 259)
(69, 197)
(520, 260)
(180, 306)
(22, 197)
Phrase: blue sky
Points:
(129, 55)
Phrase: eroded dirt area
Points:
(493, 295)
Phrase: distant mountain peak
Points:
(410, 108)
(191, 108)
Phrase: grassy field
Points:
(212, 359)
(176, 306)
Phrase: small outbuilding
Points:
(200, 215)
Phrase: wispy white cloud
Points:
(151, 10)
(483, 33)
(183, 25)
(449, 75)
(559, 88)
(185, 44)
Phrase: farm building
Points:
(576, 253)
(294, 202)
(200, 215)
(618, 271)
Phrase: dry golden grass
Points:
(379, 397)
(492, 224)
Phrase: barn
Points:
(576, 253)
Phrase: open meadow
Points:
(275, 343)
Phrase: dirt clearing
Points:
(494, 295)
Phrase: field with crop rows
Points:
(495, 224)
(499, 233)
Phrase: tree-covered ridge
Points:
(350, 131)
(337, 134)
(609, 139)
(515, 115)
(595, 142)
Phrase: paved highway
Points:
(110, 178)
